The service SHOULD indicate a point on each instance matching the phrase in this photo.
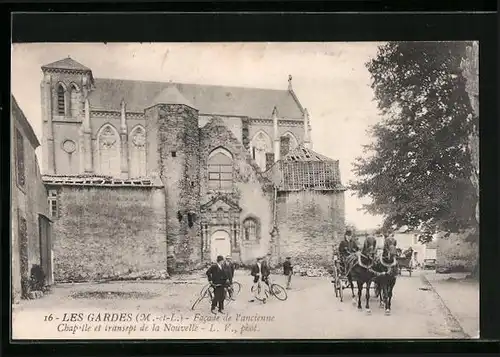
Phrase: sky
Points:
(330, 80)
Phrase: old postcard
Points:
(244, 190)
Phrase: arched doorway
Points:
(220, 245)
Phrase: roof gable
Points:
(208, 99)
(171, 95)
(66, 63)
(220, 201)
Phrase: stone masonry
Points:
(175, 128)
(311, 224)
(105, 232)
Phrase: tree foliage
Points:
(417, 170)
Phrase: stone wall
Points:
(235, 124)
(311, 224)
(455, 254)
(108, 232)
(177, 151)
(250, 190)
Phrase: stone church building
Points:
(155, 175)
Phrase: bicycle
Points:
(272, 289)
(207, 292)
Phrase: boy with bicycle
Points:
(228, 267)
(260, 271)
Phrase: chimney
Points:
(276, 136)
(290, 82)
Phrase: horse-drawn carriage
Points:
(368, 272)
(340, 280)
(405, 261)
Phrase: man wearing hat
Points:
(260, 271)
(217, 277)
(288, 271)
(347, 247)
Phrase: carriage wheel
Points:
(335, 282)
(341, 291)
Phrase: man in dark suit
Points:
(347, 247)
(288, 271)
(217, 277)
(228, 267)
(266, 270)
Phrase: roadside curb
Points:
(453, 321)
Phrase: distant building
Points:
(31, 241)
(431, 250)
(409, 238)
(150, 175)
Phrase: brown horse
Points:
(386, 268)
(359, 269)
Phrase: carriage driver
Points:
(347, 247)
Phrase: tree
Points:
(419, 165)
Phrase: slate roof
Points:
(208, 99)
(66, 63)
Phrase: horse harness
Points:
(369, 267)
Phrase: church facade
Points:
(161, 175)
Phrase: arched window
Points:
(260, 145)
(61, 92)
(288, 142)
(74, 100)
(220, 170)
(220, 214)
(250, 229)
(138, 152)
(109, 151)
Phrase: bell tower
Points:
(65, 87)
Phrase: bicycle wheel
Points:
(236, 288)
(204, 290)
(198, 299)
(205, 293)
(257, 293)
(227, 297)
(278, 292)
